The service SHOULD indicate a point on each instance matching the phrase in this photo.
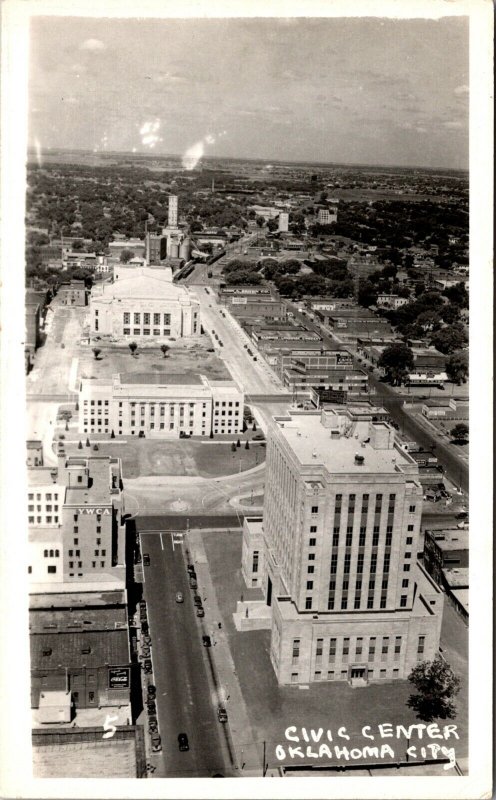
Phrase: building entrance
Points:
(358, 672)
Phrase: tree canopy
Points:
(457, 366)
(436, 686)
(397, 361)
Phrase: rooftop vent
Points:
(47, 652)
(314, 454)
(298, 433)
(359, 459)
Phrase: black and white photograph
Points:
(247, 350)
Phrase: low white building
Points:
(142, 306)
(391, 301)
(160, 405)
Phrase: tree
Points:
(397, 361)
(233, 447)
(436, 685)
(238, 443)
(133, 347)
(87, 442)
(95, 446)
(452, 337)
(457, 367)
(260, 222)
(80, 445)
(367, 294)
(112, 434)
(254, 426)
(96, 352)
(66, 416)
(78, 245)
(272, 225)
(247, 445)
(460, 432)
(126, 256)
(165, 349)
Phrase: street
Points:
(186, 697)
(385, 395)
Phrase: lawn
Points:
(273, 708)
(188, 356)
(209, 459)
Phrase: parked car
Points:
(179, 597)
(258, 437)
(146, 560)
(152, 707)
(145, 652)
(197, 600)
(222, 714)
(192, 583)
(142, 605)
(144, 628)
(183, 742)
(152, 725)
(147, 640)
(206, 641)
(200, 612)
(152, 691)
(190, 569)
(254, 358)
(147, 666)
(156, 743)
(462, 515)
(462, 525)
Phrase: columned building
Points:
(339, 564)
(160, 405)
(146, 305)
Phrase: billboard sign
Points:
(119, 677)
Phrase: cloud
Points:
(462, 89)
(92, 44)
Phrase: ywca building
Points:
(83, 542)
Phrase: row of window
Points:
(332, 647)
(146, 318)
(48, 497)
(146, 332)
(365, 500)
(48, 520)
(331, 675)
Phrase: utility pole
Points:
(264, 765)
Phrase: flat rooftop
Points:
(71, 620)
(312, 444)
(451, 538)
(160, 379)
(456, 578)
(84, 596)
(98, 493)
(66, 649)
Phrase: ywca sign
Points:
(87, 510)
(119, 677)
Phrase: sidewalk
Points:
(230, 691)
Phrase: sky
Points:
(364, 90)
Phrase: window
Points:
(389, 539)
(71, 564)
(370, 602)
(359, 645)
(30, 569)
(389, 529)
(294, 677)
(167, 319)
(146, 319)
(51, 570)
(156, 319)
(311, 569)
(372, 641)
(313, 529)
(315, 509)
(344, 603)
(76, 529)
(346, 647)
(349, 539)
(349, 529)
(334, 563)
(412, 509)
(311, 556)
(127, 318)
(404, 583)
(137, 318)
(254, 564)
(375, 539)
(410, 528)
(318, 650)
(335, 539)
(336, 530)
(421, 645)
(403, 600)
(312, 542)
(309, 585)
(308, 603)
(409, 539)
(406, 567)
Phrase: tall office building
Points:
(339, 569)
(283, 222)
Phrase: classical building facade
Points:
(146, 305)
(160, 405)
(339, 564)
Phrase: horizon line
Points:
(35, 150)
